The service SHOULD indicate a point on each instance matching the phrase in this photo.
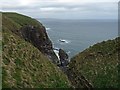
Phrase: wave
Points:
(55, 48)
(56, 52)
(64, 41)
(68, 52)
(48, 29)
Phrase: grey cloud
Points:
(58, 9)
(59, 5)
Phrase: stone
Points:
(64, 58)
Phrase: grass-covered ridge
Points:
(14, 21)
(23, 65)
(21, 19)
(99, 64)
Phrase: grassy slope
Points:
(17, 21)
(23, 65)
(99, 64)
(21, 19)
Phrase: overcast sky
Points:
(63, 9)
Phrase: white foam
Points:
(63, 41)
(56, 52)
(68, 52)
(48, 28)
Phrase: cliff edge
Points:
(24, 64)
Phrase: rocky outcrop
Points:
(39, 38)
(64, 58)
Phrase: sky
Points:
(63, 9)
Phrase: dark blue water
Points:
(78, 35)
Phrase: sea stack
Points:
(64, 58)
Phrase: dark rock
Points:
(39, 38)
(63, 57)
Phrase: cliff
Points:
(98, 64)
(32, 31)
(30, 62)
(26, 48)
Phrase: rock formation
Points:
(39, 38)
(63, 57)
(23, 65)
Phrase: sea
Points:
(74, 36)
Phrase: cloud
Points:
(62, 8)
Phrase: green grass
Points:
(99, 64)
(22, 19)
(23, 65)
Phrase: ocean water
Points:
(74, 36)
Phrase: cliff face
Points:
(24, 65)
(33, 32)
(39, 38)
(98, 64)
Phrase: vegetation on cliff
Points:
(30, 30)
(29, 61)
(99, 65)
(23, 65)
